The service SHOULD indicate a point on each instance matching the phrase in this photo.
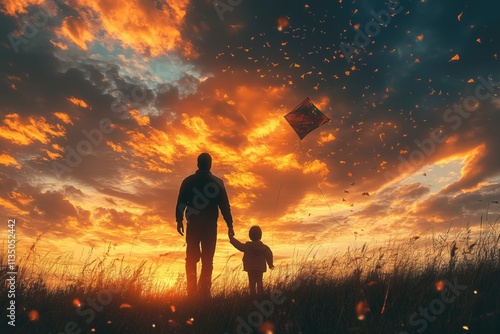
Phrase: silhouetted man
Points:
(200, 197)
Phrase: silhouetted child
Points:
(256, 254)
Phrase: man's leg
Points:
(208, 243)
(192, 258)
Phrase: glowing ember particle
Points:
(440, 285)
(362, 309)
(466, 328)
(33, 315)
(172, 308)
(76, 302)
(125, 305)
(282, 23)
(267, 327)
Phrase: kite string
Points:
(277, 198)
(317, 183)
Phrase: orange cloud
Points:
(25, 131)
(136, 24)
(7, 160)
(63, 117)
(243, 200)
(263, 130)
(139, 25)
(153, 147)
(316, 167)
(78, 31)
(472, 170)
(115, 147)
(78, 102)
(53, 155)
(245, 180)
(140, 119)
(16, 7)
(61, 46)
(325, 138)
(9, 206)
(21, 198)
(284, 162)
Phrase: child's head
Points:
(255, 233)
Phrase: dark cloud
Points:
(466, 207)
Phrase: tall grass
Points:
(364, 290)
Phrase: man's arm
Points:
(237, 244)
(180, 208)
(225, 208)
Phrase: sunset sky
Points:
(163, 81)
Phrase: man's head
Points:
(255, 233)
(204, 161)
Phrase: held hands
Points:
(230, 232)
(180, 228)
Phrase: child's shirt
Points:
(256, 254)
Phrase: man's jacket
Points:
(200, 197)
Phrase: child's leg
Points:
(260, 284)
(252, 282)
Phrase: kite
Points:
(305, 118)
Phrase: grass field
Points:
(433, 284)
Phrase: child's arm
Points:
(238, 245)
(269, 258)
